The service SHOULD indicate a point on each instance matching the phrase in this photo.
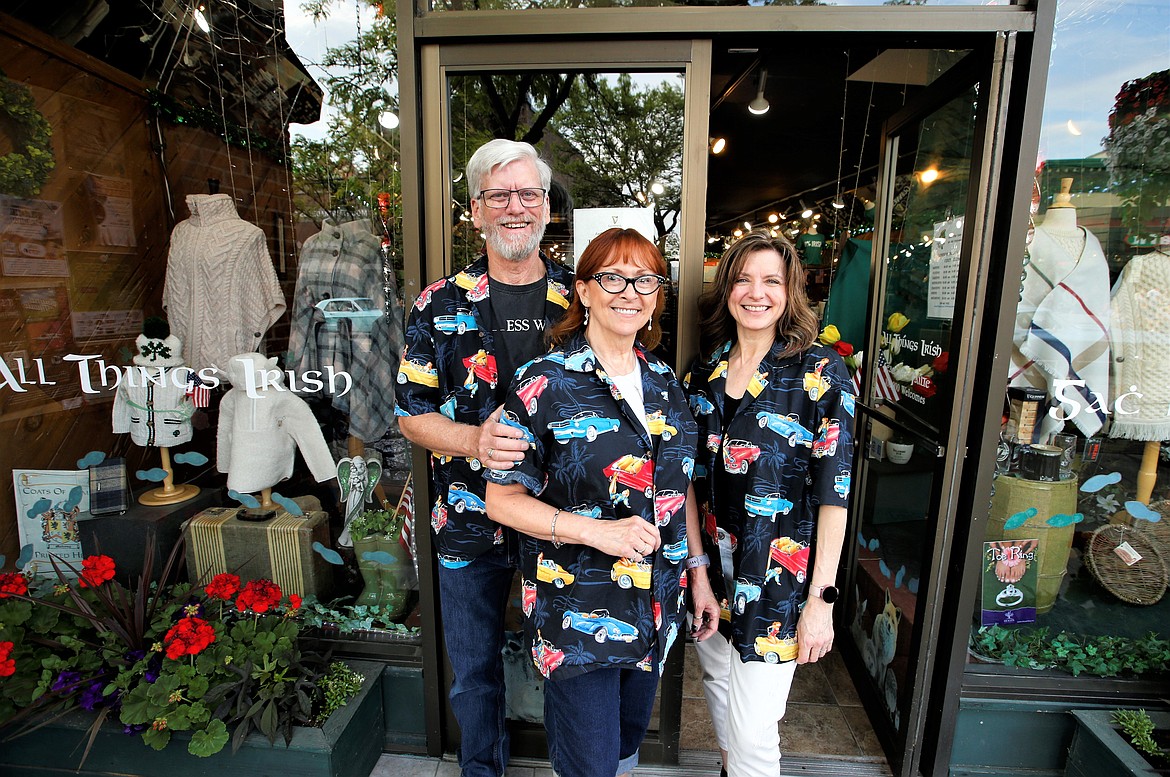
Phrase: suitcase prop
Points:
(279, 549)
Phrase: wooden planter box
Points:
(1099, 749)
(348, 745)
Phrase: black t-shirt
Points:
(516, 319)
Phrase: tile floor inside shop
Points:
(825, 720)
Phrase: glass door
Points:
(610, 129)
(922, 265)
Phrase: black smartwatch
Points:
(826, 593)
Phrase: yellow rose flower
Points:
(829, 335)
(896, 322)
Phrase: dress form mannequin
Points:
(1060, 223)
(1061, 332)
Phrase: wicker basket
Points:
(1159, 531)
(1142, 583)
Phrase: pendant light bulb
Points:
(759, 105)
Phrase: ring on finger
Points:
(491, 453)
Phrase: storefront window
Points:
(1078, 538)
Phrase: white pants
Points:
(746, 701)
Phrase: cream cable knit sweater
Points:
(1141, 349)
(221, 291)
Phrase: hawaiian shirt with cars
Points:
(590, 454)
(787, 450)
(449, 367)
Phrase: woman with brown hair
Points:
(776, 413)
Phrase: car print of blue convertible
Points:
(767, 506)
(745, 592)
(457, 324)
(786, 426)
(588, 425)
(675, 552)
(461, 499)
(600, 625)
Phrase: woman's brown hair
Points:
(798, 326)
(610, 247)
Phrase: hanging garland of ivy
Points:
(206, 119)
(24, 171)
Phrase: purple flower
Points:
(91, 697)
(66, 681)
(150, 675)
(134, 728)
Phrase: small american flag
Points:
(884, 385)
(197, 390)
(406, 510)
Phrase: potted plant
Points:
(183, 669)
(383, 561)
(1119, 742)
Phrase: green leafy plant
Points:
(338, 686)
(1104, 656)
(219, 661)
(376, 523)
(1139, 727)
(350, 619)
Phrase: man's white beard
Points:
(510, 250)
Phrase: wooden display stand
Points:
(168, 493)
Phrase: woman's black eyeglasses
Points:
(616, 284)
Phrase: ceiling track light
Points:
(760, 105)
(717, 145)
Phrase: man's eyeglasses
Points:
(616, 284)
(499, 198)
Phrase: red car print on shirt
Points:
(666, 504)
(738, 454)
(634, 471)
(788, 554)
(439, 517)
(528, 598)
(546, 656)
(483, 366)
(530, 391)
(425, 296)
(826, 442)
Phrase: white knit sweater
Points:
(261, 425)
(1141, 349)
(221, 291)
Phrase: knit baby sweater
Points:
(261, 425)
(221, 291)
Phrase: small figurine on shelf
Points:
(357, 477)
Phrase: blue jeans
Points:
(596, 721)
(473, 599)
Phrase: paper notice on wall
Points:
(943, 279)
(588, 223)
(31, 238)
(112, 206)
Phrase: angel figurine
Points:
(357, 477)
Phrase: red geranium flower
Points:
(294, 602)
(941, 362)
(96, 570)
(12, 583)
(259, 596)
(189, 636)
(223, 586)
(7, 665)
